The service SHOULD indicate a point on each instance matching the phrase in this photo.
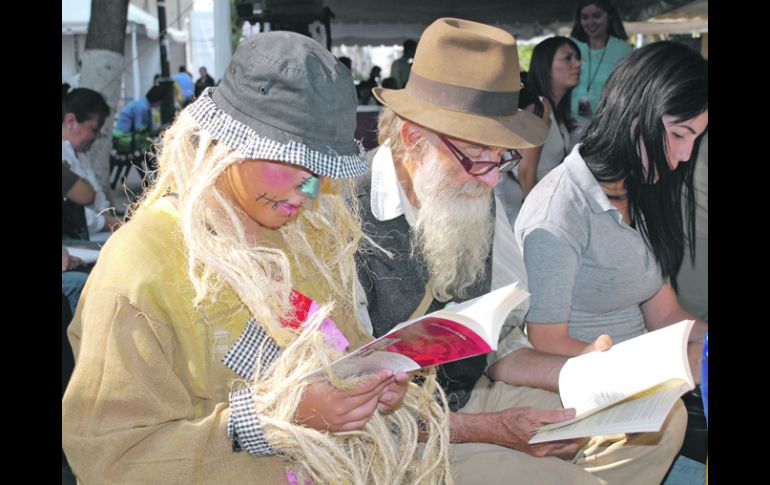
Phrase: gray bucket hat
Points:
(286, 98)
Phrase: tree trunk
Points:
(102, 70)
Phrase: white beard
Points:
(454, 228)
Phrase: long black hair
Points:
(663, 78)
(539, 77)
(614, 22)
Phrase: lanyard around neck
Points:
(592, 77)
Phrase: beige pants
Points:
(641, 458)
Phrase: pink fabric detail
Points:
(304, 307)
(292, 478)
(334, 337)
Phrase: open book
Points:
(463, 330)
(87, 255)
(627, 389)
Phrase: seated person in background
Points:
(83, 113)
(347, 62)
(365, 87)
(554, 71)
(185, 82)
(189, 355)
(77, 191)
(428, 201)
(400, 68)
(75, 188)
(72, 281)
(203, 82)
(136, 116)
(602, 234)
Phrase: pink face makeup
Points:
(276, 175)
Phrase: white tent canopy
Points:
(75, 15)
(142, 51)
(374, 22)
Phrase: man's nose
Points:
(490, 178)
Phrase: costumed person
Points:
(235, 278)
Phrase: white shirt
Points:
(80, 164)
(388, 201)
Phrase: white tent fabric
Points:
(374, 22)
(75, 15)
(141, 62)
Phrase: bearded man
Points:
(428, 203)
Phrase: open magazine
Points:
(461, 331)
(629, 388)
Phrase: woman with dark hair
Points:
(603, 234)
(599, 33)
(553, 72)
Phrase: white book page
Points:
(645, 413)
(490, 310)
(599, 379)
(362, 364)
(87, 255)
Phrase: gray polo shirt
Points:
(585, 265)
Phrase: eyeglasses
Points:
(508, 161)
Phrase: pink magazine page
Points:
(432, 341)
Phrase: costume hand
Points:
(517, 425)
(603, 342)
(393, 394)
(326, 408)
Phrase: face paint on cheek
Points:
(275, 175)
(268, 200)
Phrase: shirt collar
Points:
(388, 198)
(586, 181)
(67, 147)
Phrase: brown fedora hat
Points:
(465, 83)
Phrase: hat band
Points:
(463, 99)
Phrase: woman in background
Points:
(553, 72)
(599, 33)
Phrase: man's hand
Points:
(518, 425)
(513, 428)
(327, 408)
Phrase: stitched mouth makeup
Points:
(282, 205)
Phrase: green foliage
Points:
(236, 29)
(525, 55)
